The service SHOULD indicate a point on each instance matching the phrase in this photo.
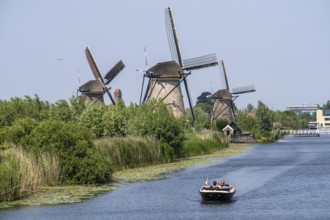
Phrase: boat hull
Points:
(217, 195)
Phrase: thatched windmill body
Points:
(165, 85)
(165, 78)
(223, 107)
(94, 90)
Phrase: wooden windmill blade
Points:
(146, 94)
(225, 75)
(97, 73)
(93, 66)
(232, 107)
(189, 98)
(115, 70)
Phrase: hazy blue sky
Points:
(281, 46)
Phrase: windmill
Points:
(164, 85)
(94, 90)
(165, 78)
(224, 99)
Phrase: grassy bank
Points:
(24, 173)
(70, 194)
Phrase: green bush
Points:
(86, 165)
(92, 118)
(17, 108)
(154, 119)
(115, 121)
(79, 160)
(18, 133)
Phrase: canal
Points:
(289, 179)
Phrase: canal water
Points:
(285, 180)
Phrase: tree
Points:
(264, 117)
(201, 116)
(92, 118)
(326, 106)
(250, 108)
(61, 110)
(79, 160)
(154, 119)
(115, 120)
(221, 124)
(246, 122)
(17, 108)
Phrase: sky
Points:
(282, 47)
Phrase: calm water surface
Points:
(285, 180)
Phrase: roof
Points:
(92, 86)
(168, 69)
(228, 128)
(222, 94)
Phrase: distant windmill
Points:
(94, 90)
(224, 100)
(165, 78)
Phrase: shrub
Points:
(18, 133)
(154, 119)
(92, 118)
(78, 158)
(115, 121)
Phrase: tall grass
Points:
(22, 173)
(130, 152)
(203, 143)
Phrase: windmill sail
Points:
(92, 64)
(172, 37)
(200, 62)
(114, 72)
(243, 89)
(225, 75)
(189, 64)
(109, 76)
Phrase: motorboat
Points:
(222, 192)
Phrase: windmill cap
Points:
(167, 69)
(222, 94)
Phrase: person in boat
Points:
(223, 184)
(214, 185)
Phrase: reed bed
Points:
(197, 144)
(130, 152)
(22, 173)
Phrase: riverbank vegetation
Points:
(69, 143)
(44, 144)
